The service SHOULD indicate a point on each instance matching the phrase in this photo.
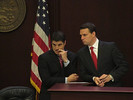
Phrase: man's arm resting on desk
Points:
(71, 78)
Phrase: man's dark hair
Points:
(58, 36)
(89, 25)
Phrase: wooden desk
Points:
(63, 91)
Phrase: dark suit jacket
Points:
(51, 72)
(110, 61)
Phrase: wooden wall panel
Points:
(113, 19)
(15, 52)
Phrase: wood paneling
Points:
(113, 18)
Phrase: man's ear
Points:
(65, 42)
(94, 33)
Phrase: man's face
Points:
(87, 37)
(58, 45)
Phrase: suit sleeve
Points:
(47, 79)
(72, 66)
(121, 66)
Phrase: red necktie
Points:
(94, 57)
(61, 61)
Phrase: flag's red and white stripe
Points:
(40, 42)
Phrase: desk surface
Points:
(84, 87)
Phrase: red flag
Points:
(40, 42)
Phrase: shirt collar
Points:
(95, 45)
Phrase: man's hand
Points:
(105, 78)
(98, 82)
(72, 77)
(63, 55)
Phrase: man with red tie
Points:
(57, 65)
(100, 62)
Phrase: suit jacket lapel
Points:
(100, 54)
(56, 59)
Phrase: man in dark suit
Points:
(57, 65)
(109, 65)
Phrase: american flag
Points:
(40, 42)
